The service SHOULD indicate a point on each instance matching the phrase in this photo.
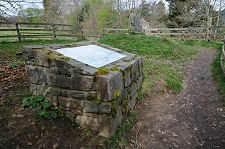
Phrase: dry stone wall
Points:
(98, 98)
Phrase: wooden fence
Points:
(214, 32)
(23, 30)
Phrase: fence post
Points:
(183, 35)
(209, 24)
(82, 32)
(54, 32)
(18, 32)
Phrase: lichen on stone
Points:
(124, 106)
(114, 108)
(116, 94)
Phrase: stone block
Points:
(41, 59)
(70, 115)
(95, 106)
(37, 89)
(132, 101)
(106, 85)
(110, 124)
(127, 77)
(139, 82)
(134, 70)
(89, 121)
(79, 94)
(37, 75)
(69, 103)
(29, 52)
(59, 81)
(84, 83)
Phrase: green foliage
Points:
(15, 64)
(140, 95)
(173, 81)
(118, 140)
(202, 43)
(31, 15)
(218, 74)
(149, 46)
(39, 102)
(162, 58)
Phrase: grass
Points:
(201, 43)
(8, 50)
(163, 58)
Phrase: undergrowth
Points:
(39, 102)
(219, 75)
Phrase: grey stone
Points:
(134, 70)
(79, 94)
(95, 107)
(132, 101)
(110, 124)
(134, 88)
(127, 78)
(89, 121)
(70, 115)
(139, 82)
(88, 70)
(69, 102)
(84, 83)
(37, 75)
(59, 81)
(54, 70)
(108, 84)
(41, 59)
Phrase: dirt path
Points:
(193, 119)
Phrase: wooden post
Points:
(183, 36)
(18, 32)
(82, 32)
(209, 28)
(54, 32)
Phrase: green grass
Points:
(202, 43)
(162, 58)
(219, 75)
(8, 50)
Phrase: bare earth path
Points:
(193, 119)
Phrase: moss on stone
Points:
(114, 108)
(105, 71)
(102, 71)
(115, 69)
(96, 101)
(116, 94)
(124, 105)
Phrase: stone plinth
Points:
(98, 98)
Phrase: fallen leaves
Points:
(9, 76)
(55, 145)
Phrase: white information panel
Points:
(92, 55)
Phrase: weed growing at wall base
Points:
(39, 102)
